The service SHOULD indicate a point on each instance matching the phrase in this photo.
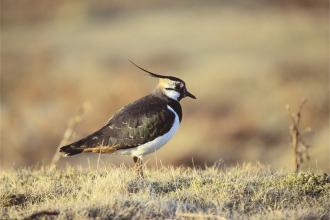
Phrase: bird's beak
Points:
(189, 94)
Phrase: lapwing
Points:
(141, 127)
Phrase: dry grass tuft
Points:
(70, 130)
(175, 193)
(299, 146)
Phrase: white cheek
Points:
(172, 94)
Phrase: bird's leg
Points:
(138, 166)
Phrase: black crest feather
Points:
(155, 74)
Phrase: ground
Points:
(217, 192)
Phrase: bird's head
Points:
(170, 86)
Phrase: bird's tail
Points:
(73, 149)
(91, 143)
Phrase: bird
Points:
(141, 127)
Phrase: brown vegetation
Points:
(299, 146)
(243, 60)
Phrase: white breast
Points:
(155, 144)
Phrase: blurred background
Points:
(244, 60)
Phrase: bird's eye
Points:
(179, 84)
(169, 89)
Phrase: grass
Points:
(247, 191)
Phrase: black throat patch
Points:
(175, 105)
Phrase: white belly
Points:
(155, 144)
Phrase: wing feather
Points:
(133, 125)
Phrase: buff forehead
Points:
(165, 83)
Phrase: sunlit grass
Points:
(115, 192)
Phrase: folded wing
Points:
(134, 125)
